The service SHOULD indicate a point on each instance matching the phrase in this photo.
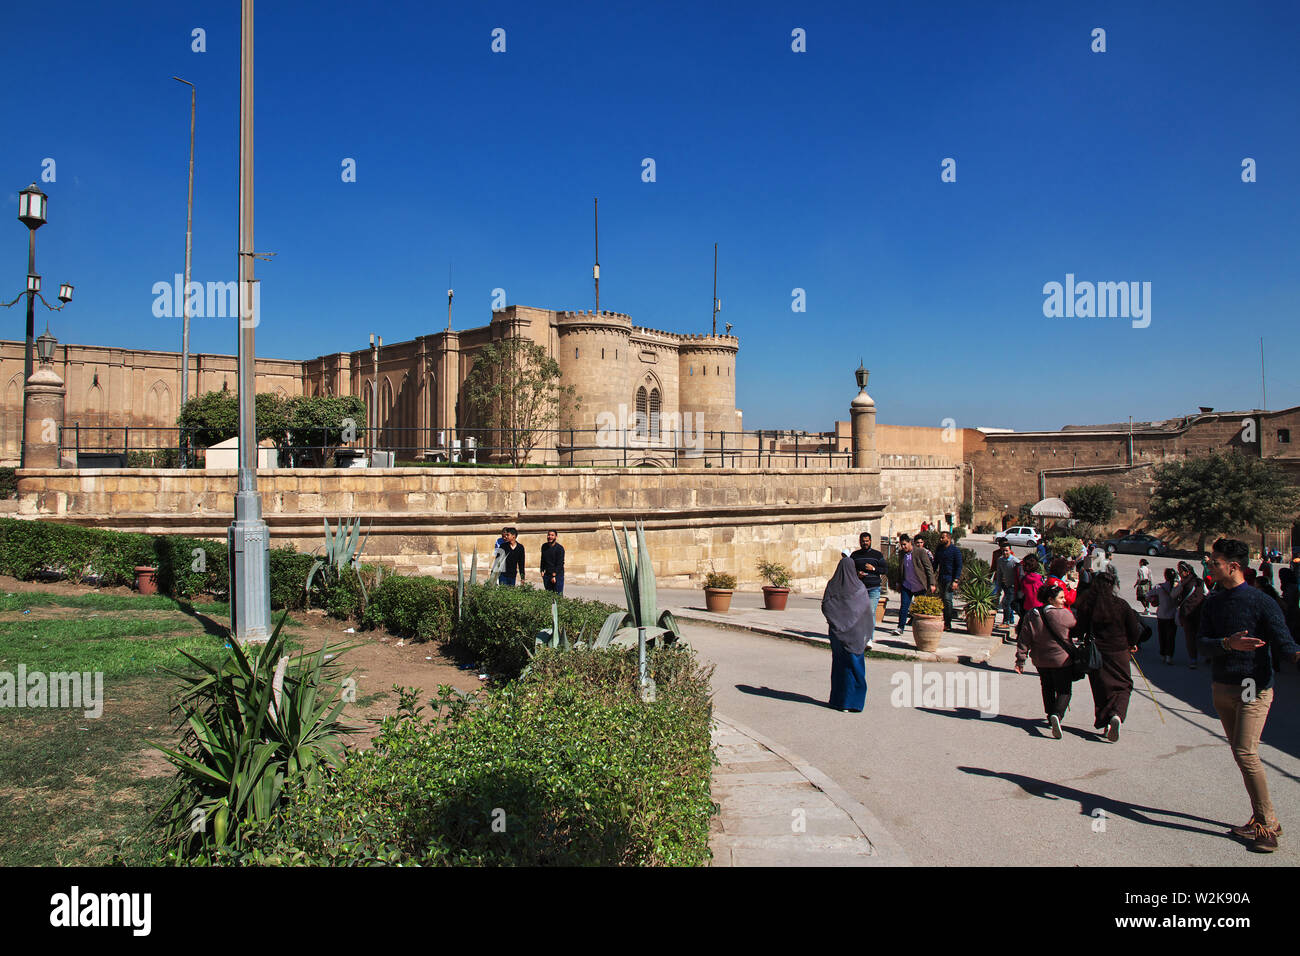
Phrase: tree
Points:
(214, 417)
(514, 387)
(1091, 504)
(306, 429)
(1221, 494)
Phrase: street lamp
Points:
(32, 209)
(185, 292)
(45, 346)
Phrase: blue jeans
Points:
(874, 595)
(1008, 606)
(558, 586)
(949, 596)
(904, 605)
(506, 579)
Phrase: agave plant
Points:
(554, 637)
(634, 565)
(341, 551)
(259, 724)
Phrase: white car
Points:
(1022, 537)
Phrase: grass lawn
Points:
(75, 790)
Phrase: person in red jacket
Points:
(1059, 568)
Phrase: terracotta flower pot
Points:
(977, 628)
(880, 609)
(717, 600)
(774, 598)
(927, 631)
(146, 580)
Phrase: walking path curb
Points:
(764, 788)
(981, 653)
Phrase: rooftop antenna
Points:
(716, 304)
(450, 293)
(1263, 384)
(595, 270)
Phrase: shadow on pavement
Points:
(1089, 803)
(787, 695)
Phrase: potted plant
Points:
(777, 590)
(718, 586)
(981, 606)
(927, 622)
(146, 579)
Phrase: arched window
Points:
(642, 412)
(654, 415)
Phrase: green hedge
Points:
(8, 483)
(499, 624)
(571, 767)
(422, 608)
(29, 549)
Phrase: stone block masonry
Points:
(417, 517)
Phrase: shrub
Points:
(975, 568)
(966, 513)
(986, 527)
(958, 533)
(927, 604)
(776, 575)
(499, 624)
(584, 772)
(29, 548)
(289, 569)
(1063, 547)
(419, 607)
(721, 580)
(8, 483)
(183, 573)
(260, 727)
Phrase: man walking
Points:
(553, 564)
(514, 567)
(1238, 625)
(1006, 576)
(870, 564)
(918, 578)
(947, 565)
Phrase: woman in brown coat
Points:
(1117, 630)
(1045, 638)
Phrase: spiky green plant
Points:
(637, 572)
(341, 550)
(260, 724)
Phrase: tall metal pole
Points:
(185, 290)
(250, 599)
(1263, 384)
(595, 272)
(31, 339)
(715, 288)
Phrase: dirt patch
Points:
(14, 586)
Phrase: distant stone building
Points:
(651, 381)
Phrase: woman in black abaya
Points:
(847, 608)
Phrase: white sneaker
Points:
(1112, 729)
(1055, 723)
(897, 632)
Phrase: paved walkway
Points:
(778, 810)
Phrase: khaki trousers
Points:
(1243, 722)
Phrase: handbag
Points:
(1084, 657)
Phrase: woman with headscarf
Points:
(1190, 596)
(847, 609)
(1058, 570)
(1117, 631)
(1046, 641)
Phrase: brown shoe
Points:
(1247, 830)
(1265, 838)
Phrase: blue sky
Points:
(816, 170)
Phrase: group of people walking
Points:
(1075, 622)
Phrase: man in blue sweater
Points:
(947, 566)
(1238, 625)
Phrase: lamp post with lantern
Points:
(32, 205)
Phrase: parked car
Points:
(1022, 537)
(1137, 544)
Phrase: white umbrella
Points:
(1050, 508)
